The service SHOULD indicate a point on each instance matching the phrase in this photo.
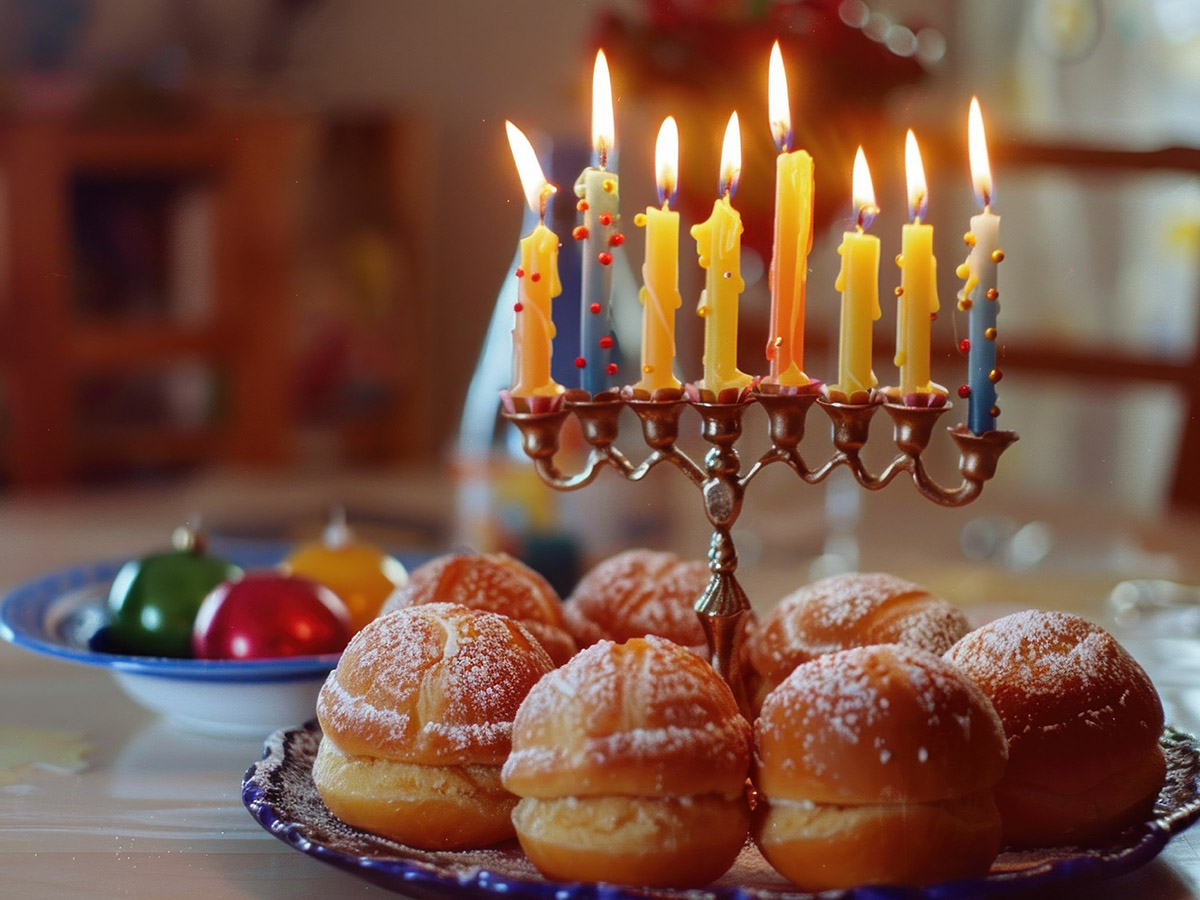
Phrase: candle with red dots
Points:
(979, 295)
(533, 333)
(599, 236)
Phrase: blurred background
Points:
(270, 242)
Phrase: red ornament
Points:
(605, 218)
(606, 342)
(520, 273)
(536, 276)
(582, 206)
(580, 362)
(612, 369)
(964, 346)
(605, 259)
(617, 239)
(595, 309)
(580, 233)
(964, 391)
(517, 307)
(268, 614)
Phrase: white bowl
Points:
(58, 614)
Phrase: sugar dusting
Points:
(647, 700)
(837, 699)
(851, 610)
(1032, 662)
(433, 676)
(640, 592)
(495, 582)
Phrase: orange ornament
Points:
(361, 574)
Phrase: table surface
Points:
(157, 812)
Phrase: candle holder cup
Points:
(723, 606)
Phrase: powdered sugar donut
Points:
(631, 762)
(1083, 722)
(636, 593)
(417, 721)
(876, 765)
(851, 610)
(494, 582)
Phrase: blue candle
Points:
(979, 295)
(599, 236)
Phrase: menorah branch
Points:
(723, 606)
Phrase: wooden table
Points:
(158, 813)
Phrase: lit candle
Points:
(533, 333)
(979, 294)
(719, 245)
(858, 281)
(793, 237)
(917, 295)
(599, 235)
(660, 273)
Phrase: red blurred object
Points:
(268, 614)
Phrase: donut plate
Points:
(279, 792)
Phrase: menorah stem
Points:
(723, 606)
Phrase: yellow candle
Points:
(917, 298)
(533, 332)
(719, 245)
(793, 238)
(660, 272)
(858, 281)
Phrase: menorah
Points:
(723, 605)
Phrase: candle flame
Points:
(777, 102)
(537, 189)
(918, 187)
(603, 127)
(666, 159)
(981, 169)
(731, 157)
(864, 191)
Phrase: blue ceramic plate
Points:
(279, 792)
(59, 615)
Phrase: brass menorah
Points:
(723, 605)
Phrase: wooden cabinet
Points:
(256, 171)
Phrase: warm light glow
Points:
(864, 191)
(666, 159)
(731, 156)
(981, 170)
(777, 102)
(603, 129)
(918, 188)
(537, 189)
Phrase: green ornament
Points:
(153, 601)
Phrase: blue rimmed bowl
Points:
(60, 614)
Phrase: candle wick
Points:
(602, 153)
